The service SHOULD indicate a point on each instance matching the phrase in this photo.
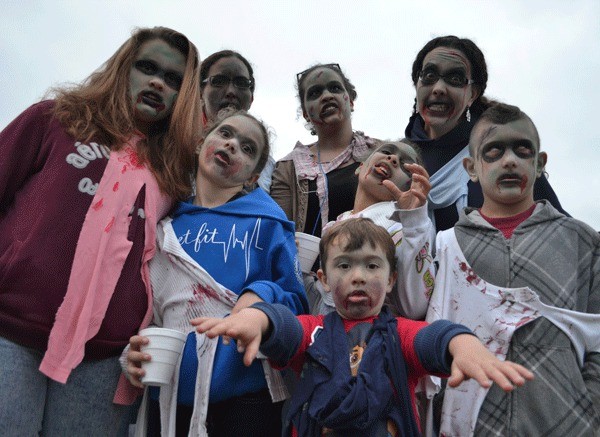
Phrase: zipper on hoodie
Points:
(509, 262)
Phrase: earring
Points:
(468, 114)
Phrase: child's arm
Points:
(247, 326)
(470, 359)
(273, 328)
(415, 266)
(247, 299)
(444, 347)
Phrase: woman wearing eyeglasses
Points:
(227, 81)
(450, 77)
(316, 182)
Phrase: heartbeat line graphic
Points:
(206, 236)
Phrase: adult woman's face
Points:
(443, 91)
(325, 98)
(224, 89)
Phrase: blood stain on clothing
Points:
(131, 160)
(96, 206)
(109, 225)
(202, 291)
(116, 186)
(471, 277)
(524, 321)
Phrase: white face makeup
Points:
(326, 101)
(506, 164)
(230, 153)
(359, 280)
(154, 81)
(442, 102)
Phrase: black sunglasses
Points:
(314, 67)
(220, 80)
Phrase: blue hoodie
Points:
(246, 244)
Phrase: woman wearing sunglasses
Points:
(450, 77)
(316, 182)
(227, 81)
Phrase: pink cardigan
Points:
(101, 252)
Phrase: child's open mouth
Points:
(222, 158)
(382, 170)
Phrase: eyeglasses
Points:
(455, 79)
(314, 67)
(220, 80)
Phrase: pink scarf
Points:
(101, 252)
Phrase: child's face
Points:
(506, 162)
(154, 81)
(230, 153)
(359, 280)
(387, 162)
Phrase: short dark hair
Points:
(210, 61)
(500, 114)
(347, 84)
(472, 52)
(356, 232)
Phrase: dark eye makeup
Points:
(171, 78)
(492, 152)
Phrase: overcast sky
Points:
(543, 56)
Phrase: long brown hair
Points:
(100, 109)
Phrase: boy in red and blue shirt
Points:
(359, 365)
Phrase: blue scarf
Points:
(329, 396)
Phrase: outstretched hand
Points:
(246, 326)
(470, 359)
(416, 195)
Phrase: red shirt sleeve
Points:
(407, 331)
(311, 325)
